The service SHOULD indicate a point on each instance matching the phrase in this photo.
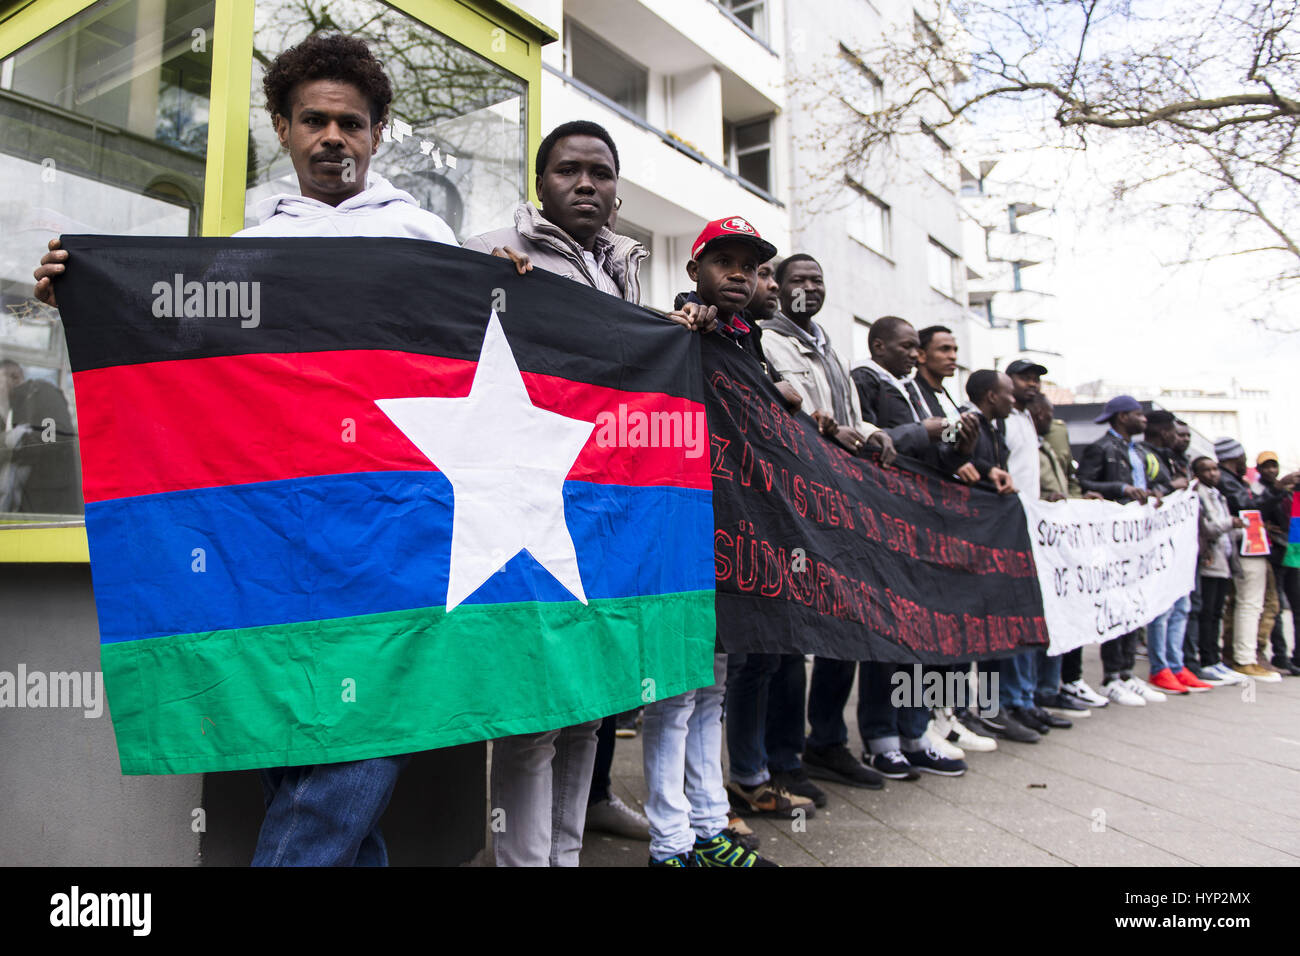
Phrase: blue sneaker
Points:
(930, 760)
(892, 764)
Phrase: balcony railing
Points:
(668, 140)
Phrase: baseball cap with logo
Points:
(732, 229)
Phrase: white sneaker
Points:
(1227, 675)
(1081, 690)
(941, 746)
(1119, 692)
(1145, 690)
(948, 728)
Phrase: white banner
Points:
(1106, 568)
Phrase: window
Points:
(103, 129)
(939, 161)
(457, 134)
(749, 151)
(594, 62)
(1020, 334)
(861, 330)
(943, 270)
(861, 86)
(1015, 278)
(752, 13)
(869, 220)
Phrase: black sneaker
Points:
(797, 783)
(894, 765)
(1050, 719)
(721, 850)
(1065, 703)
(976, 724)
(681, 859)
(1008, 728)
(1286, 666)
(837, 764)
(930, 760)
(1029, 719)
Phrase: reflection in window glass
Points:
(457, 135)
(103, 129)
(597, 64)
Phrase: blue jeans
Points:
(681, 741)
(883, 726)
(1049, 672)
(1017, 679)
(764, 715)
(1165, 637)
(327, 814)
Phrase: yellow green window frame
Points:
(497, 31)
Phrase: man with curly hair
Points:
(328, 98)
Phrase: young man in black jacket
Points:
(1115, 466)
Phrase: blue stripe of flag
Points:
(374, 542)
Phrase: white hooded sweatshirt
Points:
(381, 210)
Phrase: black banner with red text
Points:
(819, 552)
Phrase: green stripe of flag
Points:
(418, 680)
(1292, 559)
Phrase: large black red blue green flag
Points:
(356, 497)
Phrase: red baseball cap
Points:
(733, 228)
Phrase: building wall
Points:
(865, 281)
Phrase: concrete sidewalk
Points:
(1205, 779)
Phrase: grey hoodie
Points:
(381, 209)
(551, 248)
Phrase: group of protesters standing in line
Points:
(329, 99)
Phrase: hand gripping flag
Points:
(348, 498)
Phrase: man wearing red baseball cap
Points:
(683, 735)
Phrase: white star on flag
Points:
(506, 460)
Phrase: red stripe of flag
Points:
(198, 423)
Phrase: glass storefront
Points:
(456, 138)
(103, 129)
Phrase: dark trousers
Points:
(1288, 592)
(604, 760)
(1072, 666)
(1214, 591)
(1118, 656)
(1191, 637)
(828, 695)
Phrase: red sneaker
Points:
(1193, 683)
(1166, 681)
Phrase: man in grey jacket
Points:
(540, 781)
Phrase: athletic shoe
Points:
(1008, 728)
(941, 746)
(1226, 674)
(1258, 673)
(1209, 675)
(949, 728)
(977, 725)
(1166, 681)
(1055, 721)
(1081, 690)
(1192, 682)
(721, 850)
(894, 765)
(836, 763)
(1027, 717)
(1063, 703)
(625, 725)
(1118, 691)
(931, 760)
(1144, 690)
(766, 800)
(681, 859)
(796, 782)
(740, 832)
(616, 817)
